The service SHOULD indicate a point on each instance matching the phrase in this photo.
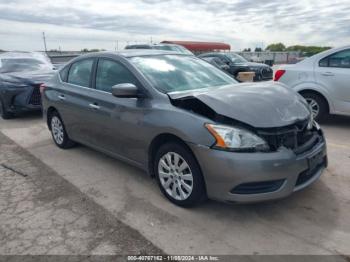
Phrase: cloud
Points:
(242, 23)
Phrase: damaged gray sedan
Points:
(190, 125)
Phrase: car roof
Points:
(25, 55)
(150, 45)
(211, 54)
(134, 52)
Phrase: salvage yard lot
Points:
(313, 221)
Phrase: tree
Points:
(258, 49)
(308, 50)
(277, 47)
(247, 49)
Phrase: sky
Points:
(111, 24)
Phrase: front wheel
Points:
(317, 104)
(178, 174)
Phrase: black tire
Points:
(3, 113)
(198, 193)
(64, 141)
(321, 104)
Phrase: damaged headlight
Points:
(236, 139)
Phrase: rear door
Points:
(333, 72)
(75, 99)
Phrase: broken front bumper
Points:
(254, 177)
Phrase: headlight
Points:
(236, 139)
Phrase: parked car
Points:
(239, 64)
(21, 75)
(215, 61)
(165, 47)
(323, 80)
(192, 126)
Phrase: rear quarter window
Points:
(80, 72)
(64, 73)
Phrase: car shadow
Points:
(310, 214)
(335, 120)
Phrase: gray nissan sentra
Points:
(190, 125)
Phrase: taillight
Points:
(279, 73)
(42, 88)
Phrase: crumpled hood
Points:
(262, 105)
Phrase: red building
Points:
(200, 47)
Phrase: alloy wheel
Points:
(57, 130)
(175, 176)
(314, 106)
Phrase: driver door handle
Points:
(94, 106)
(328, 74)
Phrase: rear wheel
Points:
(58, 131)
(318, 105)
(3, 113)
(178, 175)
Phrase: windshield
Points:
(169, 73)
(8, 65)
(236, 59)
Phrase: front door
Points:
(333, 72)
(117, 120)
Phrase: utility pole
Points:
(116, 45)
(44, 38)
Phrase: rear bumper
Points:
(254, 177)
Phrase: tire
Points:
(317, 104)
(58, 131)
(178, 175)
(3, 113)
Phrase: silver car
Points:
(323, 80)
(187, 123)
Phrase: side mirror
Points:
(126, 90)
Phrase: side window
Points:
(64, 73)
(340, 60)
(110, 73)
(80, 72)
(223, 59)
(218, 61)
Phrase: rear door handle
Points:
(328, 74)
(62, 97)
(94, 106)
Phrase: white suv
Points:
(323, 80)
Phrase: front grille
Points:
(35, 98)
(266, 73)
(296, 137)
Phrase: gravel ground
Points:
(41, 213)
